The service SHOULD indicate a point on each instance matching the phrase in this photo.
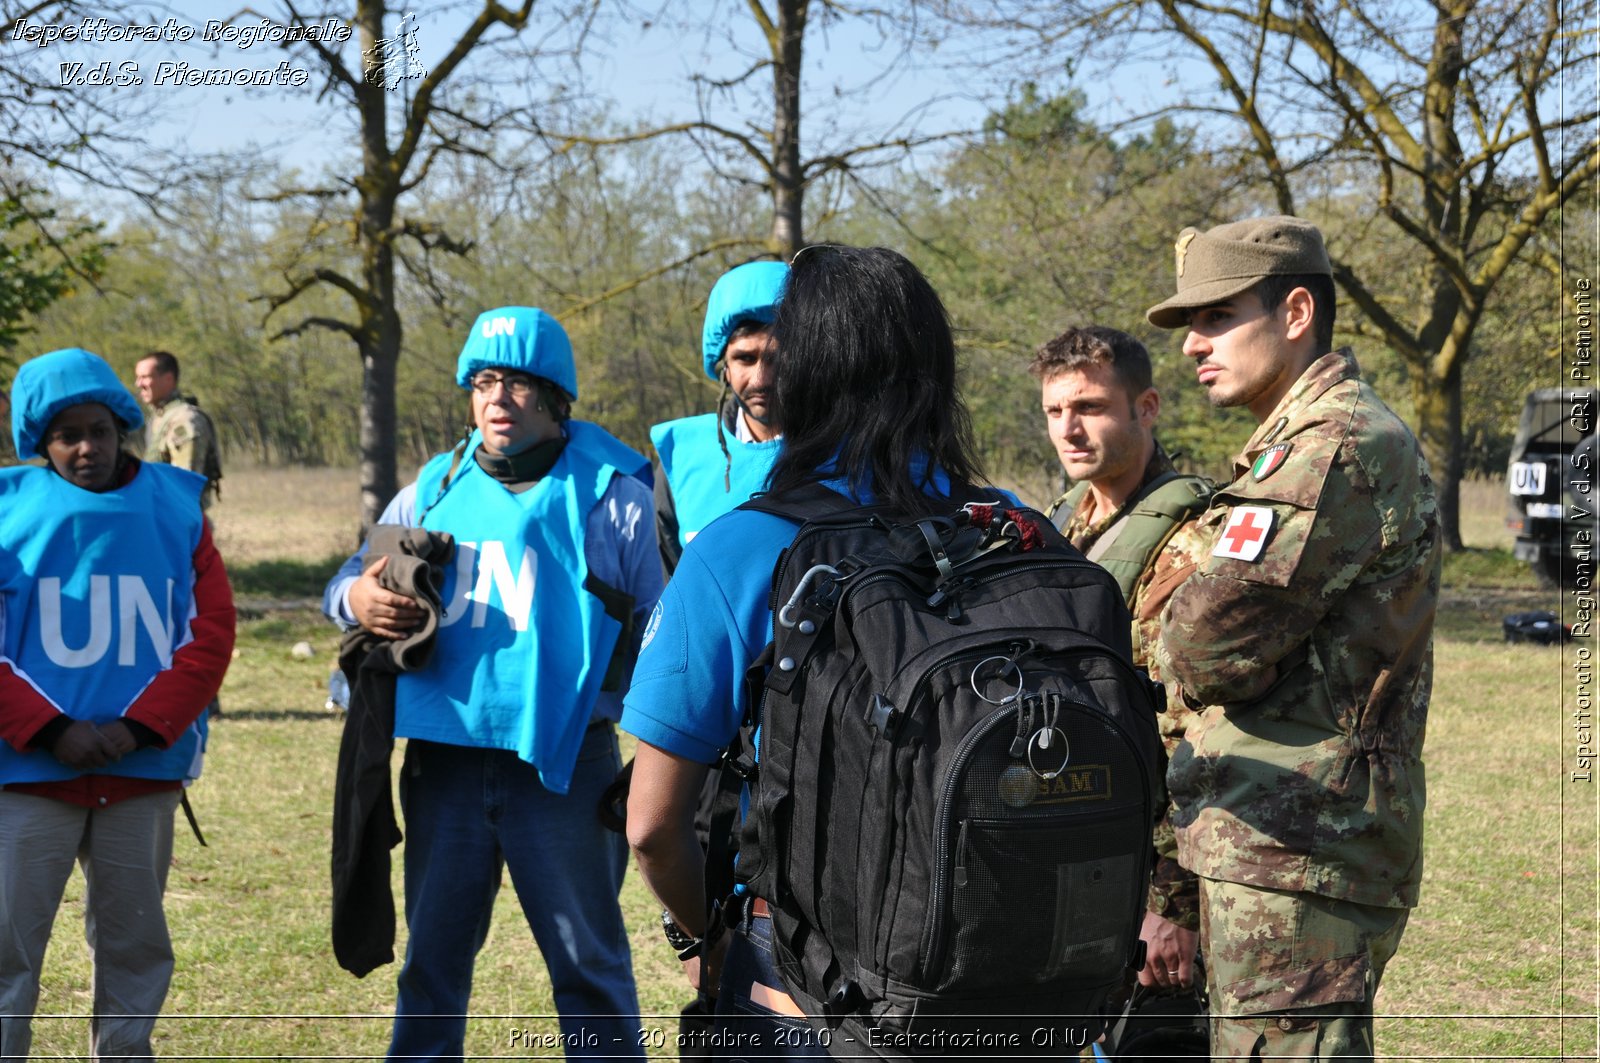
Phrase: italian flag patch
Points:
(1269, 461)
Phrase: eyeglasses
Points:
(518, 385)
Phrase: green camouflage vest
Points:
(1146, 522)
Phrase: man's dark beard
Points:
(766, 396)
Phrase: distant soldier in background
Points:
(180, 433)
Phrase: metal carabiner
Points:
(1005, 663)
(785, 616)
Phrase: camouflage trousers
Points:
(1292, 975)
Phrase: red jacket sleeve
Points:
(178, 695)
(24, 710)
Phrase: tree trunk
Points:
(377, 433)
(788, 185)
(379, 339)
(1438, 403)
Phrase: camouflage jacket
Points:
(1174, 892)
(1304, 639)
(181, 434)
(1084, 531)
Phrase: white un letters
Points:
(494, 580)
(135, 607)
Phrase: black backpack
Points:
(950, 811)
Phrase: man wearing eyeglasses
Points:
(509, 724)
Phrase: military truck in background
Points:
(1551, 481)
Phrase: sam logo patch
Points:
(1083, 782)
(1021, 788)
(1270, 461)
(1245, 534)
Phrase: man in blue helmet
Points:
(510, 723)
(116, 627)
(714, 461)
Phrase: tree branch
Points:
(628, 285)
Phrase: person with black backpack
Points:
(949, 766)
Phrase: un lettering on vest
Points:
(485, 568)
(135, 607)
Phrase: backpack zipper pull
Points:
(1024, 734)
(961, 856)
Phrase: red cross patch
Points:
(1245, 534)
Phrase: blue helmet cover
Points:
(50, 383)
(750, 292)
(521, 338)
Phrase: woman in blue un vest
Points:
(116, 627)
(510, 725)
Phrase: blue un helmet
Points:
(50, 383)
(750, 292)
(521, 338)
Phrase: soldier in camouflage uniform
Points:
(1127, 502)
(180, 433)
(1302, 637)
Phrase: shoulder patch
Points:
(1269, 460)
(651, 626)
(1245, 534)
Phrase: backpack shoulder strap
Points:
(1147, 522)
(816, 501)
(1062, 509)
(806, 503)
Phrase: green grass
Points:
(283, 578)
(1506, 928)
(1487, 567)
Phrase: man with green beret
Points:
(1302, 638)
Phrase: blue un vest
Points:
(522, 647)
(695, 467)
(98, 590)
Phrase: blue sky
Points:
(641, 69)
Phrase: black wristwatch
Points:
(685, 944)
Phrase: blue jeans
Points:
(746, 1030)
(470, 812)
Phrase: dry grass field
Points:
(287, 514)
(1503, 946)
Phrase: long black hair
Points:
(865, 383)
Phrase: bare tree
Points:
(51, 128)
(406, 118)
(750, 135)
(1462, 126)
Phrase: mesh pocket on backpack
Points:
(1039, 896)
